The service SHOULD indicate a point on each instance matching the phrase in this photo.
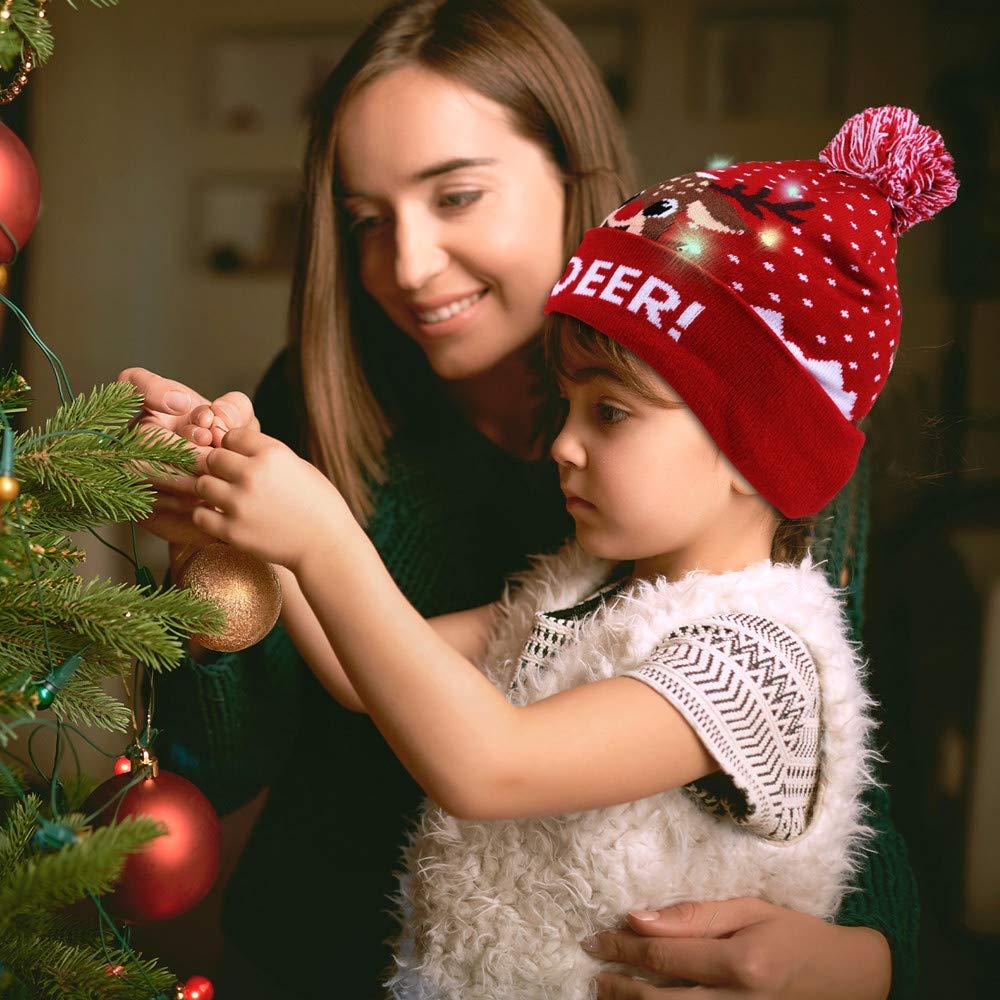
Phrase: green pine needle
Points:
(91, 865)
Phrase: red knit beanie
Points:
(765, 294)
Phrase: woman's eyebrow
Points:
(436, 170)
(456, 164)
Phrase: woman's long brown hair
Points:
(360, 375)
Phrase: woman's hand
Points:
(269, 501)
(174, 409)
(744, 948)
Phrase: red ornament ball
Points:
(198, 988)
(171, 873)
(20, 192)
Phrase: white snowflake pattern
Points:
(848, 338)
(808, 303)
(854, 246)
(866, 291)
(844, 313)
(850, 207)
(871, 211)
(768, 266)
(865, 309)
(871, 333)
(878, 378)
(797, 250)
(827, 260)
(738, 286)
(820, 338)
(828, 218)
(733, 258)
(774, 296)
(796, 230)
(803, 277)
(826, 236)
(875, 355)
(852, 364)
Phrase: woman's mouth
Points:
(431, 317)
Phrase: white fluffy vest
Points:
(496, 910)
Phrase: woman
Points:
(457, 154)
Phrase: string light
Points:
(719, 162)
(769, 237)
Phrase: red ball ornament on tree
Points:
(20, 193)
(173, 872)
(198, 988)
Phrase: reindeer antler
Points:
(753, 203)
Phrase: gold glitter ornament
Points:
(9, 489)
(243, 586)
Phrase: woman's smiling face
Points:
(457, 219)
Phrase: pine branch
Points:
(86, 467)
(18, 829)
(53, 968)
(91, 865)
(13, 392)
(116, 615)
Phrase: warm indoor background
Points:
(168, 137)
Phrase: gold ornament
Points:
(243, 586)
(9, 489)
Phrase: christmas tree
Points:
(60, 636)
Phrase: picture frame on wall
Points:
(264, 80)
(247, 223)
(754, 63)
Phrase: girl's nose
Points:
(567, 449)
(419, 254)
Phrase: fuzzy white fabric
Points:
(496, 910)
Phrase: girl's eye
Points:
(459, 199)
(610, 414)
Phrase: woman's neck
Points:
(502, 404)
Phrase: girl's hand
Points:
(745, 948)
(267, 500)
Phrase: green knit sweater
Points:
(456, 515)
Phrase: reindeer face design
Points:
(653, 211)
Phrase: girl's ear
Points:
(741, 486)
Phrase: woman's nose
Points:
(419, 253)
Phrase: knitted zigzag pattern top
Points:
(455, 516)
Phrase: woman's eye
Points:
(610, 414)
(360, 223)
(459, 199)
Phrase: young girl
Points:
(662, 712)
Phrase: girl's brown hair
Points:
(567, 336)
(360, 375)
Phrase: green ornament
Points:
(44, 692)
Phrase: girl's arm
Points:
(465, 631)
(477, 755)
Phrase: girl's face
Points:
(457, 219)
(643, 480)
